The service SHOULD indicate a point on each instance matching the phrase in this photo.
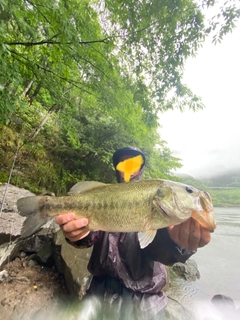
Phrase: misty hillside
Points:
(224, 189)
(224, 180)
(227, 179)
(186, 178)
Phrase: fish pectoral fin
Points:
(146, 237)
(81, 187)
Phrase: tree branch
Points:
(44, 120)
(72, 82)
(50, 42)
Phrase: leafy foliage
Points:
(225, 197)
(230, 178)
(81, 78)
(228, 13)
(192, 181)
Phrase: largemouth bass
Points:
(139, 206)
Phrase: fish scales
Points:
(113, 206)
(110, 207)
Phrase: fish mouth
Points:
(205, 219)
(202, 210)
(205, 213)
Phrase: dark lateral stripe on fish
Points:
(99, 205)
(111, 205)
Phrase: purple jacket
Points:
(141, 271)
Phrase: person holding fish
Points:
(128, 268)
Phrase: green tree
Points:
(49, 48)
(80, 78)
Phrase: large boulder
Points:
(226, 307)
(188, 270)
(75, 261)
(11, 244)
(48, 246)
(10, 221)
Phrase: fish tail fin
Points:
(36, 217)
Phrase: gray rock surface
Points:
(75, 271)
(188, 270)
(10, 221)
(48, 245)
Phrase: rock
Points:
(188, 270)
(226, 307)
(32, 263)
(33, 244)
(10, 221)
(12, 195)
(220, 300)
(73, 264)
(48, 246)
(75, 272)
(4, 276)
(22, 255)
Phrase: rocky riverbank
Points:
(42, 277)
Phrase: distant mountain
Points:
(224, 189)
(230, 178)
(188, 179)
(227, 179)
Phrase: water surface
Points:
(219, 263)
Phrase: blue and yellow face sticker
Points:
(130, 166)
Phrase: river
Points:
(219, 266)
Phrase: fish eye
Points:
(160, 193)
(189, 190)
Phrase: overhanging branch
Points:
(51, 42)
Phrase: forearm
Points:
(87, 241)
(165, 250)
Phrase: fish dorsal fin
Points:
(146, 237)
(81, 187)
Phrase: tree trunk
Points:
(27, 89)
(35, 93)
(44, 120)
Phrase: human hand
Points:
(189, 235)
(72, 228)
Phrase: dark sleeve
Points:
(165, 250)
(86, 242)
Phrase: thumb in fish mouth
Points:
(205, 219)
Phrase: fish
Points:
(130, 166)
(138, 206)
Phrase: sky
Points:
(208, 141)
